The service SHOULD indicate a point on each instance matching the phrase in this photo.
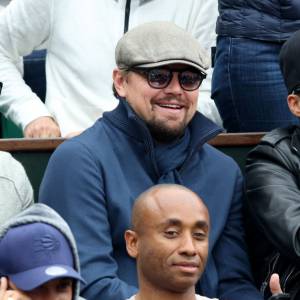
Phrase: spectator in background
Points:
(38, 257)
(273, 189)
(80, 39)
(15, 189)
(169, 238)
(247, 85)
(155, 135)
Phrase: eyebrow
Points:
(177, 222)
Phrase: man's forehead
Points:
(176, 202)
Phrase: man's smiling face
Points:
(166, 111)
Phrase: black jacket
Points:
(270, 20)
(273, 197)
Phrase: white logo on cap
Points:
(55, 271)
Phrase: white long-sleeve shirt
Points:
(80, 38)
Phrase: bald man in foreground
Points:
(169, 239)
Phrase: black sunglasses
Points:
(159, 78)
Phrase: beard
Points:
(162, 133)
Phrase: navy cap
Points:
(33, 254)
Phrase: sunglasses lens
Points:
(159, 78)
(190, 80)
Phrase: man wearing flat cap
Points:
(155, 135)
(273, 188)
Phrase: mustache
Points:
(171, 99)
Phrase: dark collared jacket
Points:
(273, 197)
(93, 179)
(270, 20)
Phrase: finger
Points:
(275, 284)
(3, 287)
(28, 134)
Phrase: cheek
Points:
(156, 253)
(35, 295)
(203, 252)
(69, 294)
(193, 98)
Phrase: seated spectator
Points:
(247, 84)
(169, 239)
(15, 188)
(155, 135)
(273, 189)
(80, 44)
(38, 257)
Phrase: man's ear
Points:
(294, 104)
(119, 80)
(131, 239)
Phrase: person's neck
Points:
(151, 293)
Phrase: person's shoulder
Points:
(92, 145)
(279, 134)
(91, 138)
(218, 156)
(9, 166)
(5, 157)
(280, 139)
(279, 146)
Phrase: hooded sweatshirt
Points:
(15, 185)
(43, 214)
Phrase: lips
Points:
(187, 267)
(170, 106)
(187, 264)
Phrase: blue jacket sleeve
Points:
(73, 186)
(231, 255)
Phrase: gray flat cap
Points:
(158, 44)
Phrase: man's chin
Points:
(182, 286)
(165, 134)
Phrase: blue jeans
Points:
(247, 86)
(34, 72)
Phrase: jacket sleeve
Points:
(273, 196)
(73, 186)
(231, 256)
(24, 26)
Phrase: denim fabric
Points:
(248, 87)
(34, 72)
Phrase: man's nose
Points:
(174, 85)
(187, 246)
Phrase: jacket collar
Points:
(295, 141)
(124, 118)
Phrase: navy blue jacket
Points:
(92, 180)
(270, 20)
